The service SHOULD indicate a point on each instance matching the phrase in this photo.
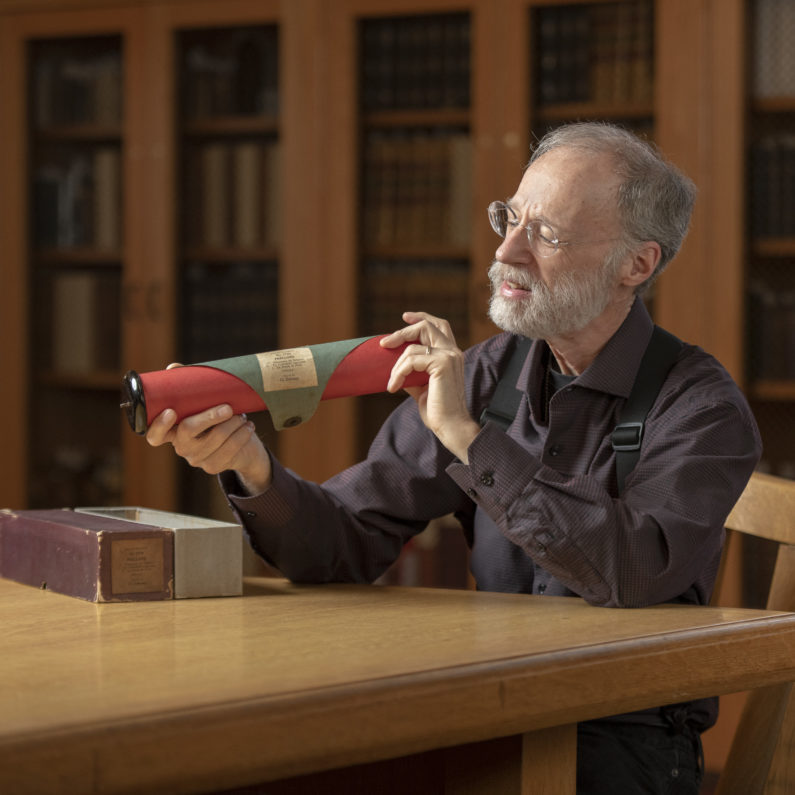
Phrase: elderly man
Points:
(596, 217)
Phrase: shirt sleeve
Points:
(650, 545)
(352, 527)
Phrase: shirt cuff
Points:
(271, 509)
(498, 471)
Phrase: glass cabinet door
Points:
(76, 260)
(415, 177)
(228, 203)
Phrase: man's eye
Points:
(546, 234)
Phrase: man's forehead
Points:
(568, 169)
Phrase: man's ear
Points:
(642, 263)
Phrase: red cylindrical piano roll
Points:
(194, 388)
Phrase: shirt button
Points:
(542, 588)
(487, 479)
(251, 515)
(556, 449)
(472, 493)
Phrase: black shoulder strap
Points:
(660, 355)
(505, 400)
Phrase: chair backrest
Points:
(762, 756)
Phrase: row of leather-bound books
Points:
(601, 52)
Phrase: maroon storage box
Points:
(91, 557)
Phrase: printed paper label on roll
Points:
(292, 368)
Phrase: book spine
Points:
(248, 194)
(215, 194)
(107, 198)
(73, 322)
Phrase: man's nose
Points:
(515, 246)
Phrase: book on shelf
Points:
(414, 62)
(77, 200)
(86, 333)
(773, 53)
(216, 183)
(228, 309)
(73, 325)
(231, 73)
(272, 194)
(233, 195)
(600, 53)
(460, 182)
(772, 185)
(107, 198)
(72, 89)
(771, 351)
(391, 287)
(417, 188)
(248, 194)
(63, 203)
(563, 65)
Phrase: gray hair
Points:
(655, 199)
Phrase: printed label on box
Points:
(136, 565)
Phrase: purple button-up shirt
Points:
(539, 502)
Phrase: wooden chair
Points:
(762, 755)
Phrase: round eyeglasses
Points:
(542, 238)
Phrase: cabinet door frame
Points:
(16, 31)
(156, 481)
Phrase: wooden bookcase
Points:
(483, 78)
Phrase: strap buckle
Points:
(627, 436)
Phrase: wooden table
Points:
(464, 691)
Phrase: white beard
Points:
(569, 304)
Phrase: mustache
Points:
(499, 272)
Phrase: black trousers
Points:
(622, 759)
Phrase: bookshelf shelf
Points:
(79, 255)
(431, 117)
(780, 104)
(96, 381)
(231, 255)
(783, 390)
(79, 133)
(231, 126)
(594, 110)
(774, 247)
(416, 252)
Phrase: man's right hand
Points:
(216, 440)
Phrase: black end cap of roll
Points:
(133, 403)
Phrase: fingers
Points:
(424, 329)
(415, 358)
(220, 448)
(163, 429)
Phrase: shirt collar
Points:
(613, 370)
(615, 367)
